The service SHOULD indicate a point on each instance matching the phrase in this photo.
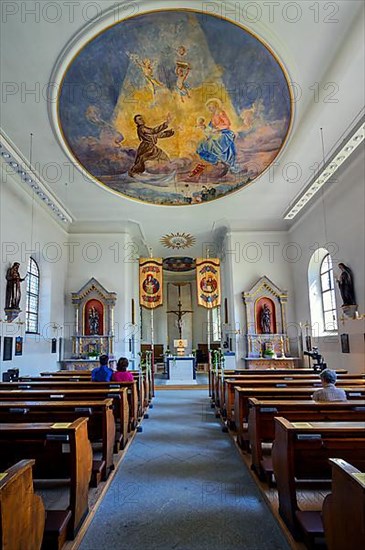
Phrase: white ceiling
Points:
(329, 52)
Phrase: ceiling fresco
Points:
(174, 107)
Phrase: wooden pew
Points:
(259, 373)
(60, 453)
(261, 425)
(64, 372)
(132, 392)
(22, 514)
(301, 452)
(101, 424)
(119, 396)
(344, 509)
(143, 384)
(314, 383)
(86, 374)
(243, 394)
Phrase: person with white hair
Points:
(329, 392)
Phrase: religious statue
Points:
(93, 321)
(265, 320)
(179, 312)
(346, 285)
(13, 292)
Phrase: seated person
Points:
(329, 392)
(122, 375)
(102, 373)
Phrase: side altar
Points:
(267, 343)
(94, 326)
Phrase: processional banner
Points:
(150, 282)
(208, 279)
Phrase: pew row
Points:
(300, 452)
(119, 396)
(72, 375)
(270, 373)
(62, 452)
(22, 513)
(227, 410)
(344, 517)
(143, 385)
(261, 425)
(243, 394)
(100, 426)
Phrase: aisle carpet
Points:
(183, 486)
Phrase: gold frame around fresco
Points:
(83, 170)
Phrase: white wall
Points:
(48, 237)
(110, 258)
(342, 234)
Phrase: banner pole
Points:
(152, 364)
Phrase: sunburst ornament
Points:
(178, 240)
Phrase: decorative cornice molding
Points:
(20, 170)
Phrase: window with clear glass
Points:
(328, 295)
(32, 302)
(216, 324)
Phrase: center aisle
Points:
(183, 486)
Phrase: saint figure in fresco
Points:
(219, 146)
(147, 67)
(182, 73)
(148, 149)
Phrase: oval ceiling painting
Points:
(175, 107)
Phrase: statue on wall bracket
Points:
(346, 287)
(13, 292)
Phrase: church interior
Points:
(182, 325)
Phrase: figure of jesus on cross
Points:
(180, 312)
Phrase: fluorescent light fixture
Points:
(327, 172)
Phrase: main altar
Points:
(267, 342)
(181, 368)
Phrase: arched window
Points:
(322, 294)
(328, 295)
(32, 305)
(216, 324)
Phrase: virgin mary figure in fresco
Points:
(218, 146)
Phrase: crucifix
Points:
(180, 312)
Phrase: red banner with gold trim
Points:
(150, 282)
(208, 279)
